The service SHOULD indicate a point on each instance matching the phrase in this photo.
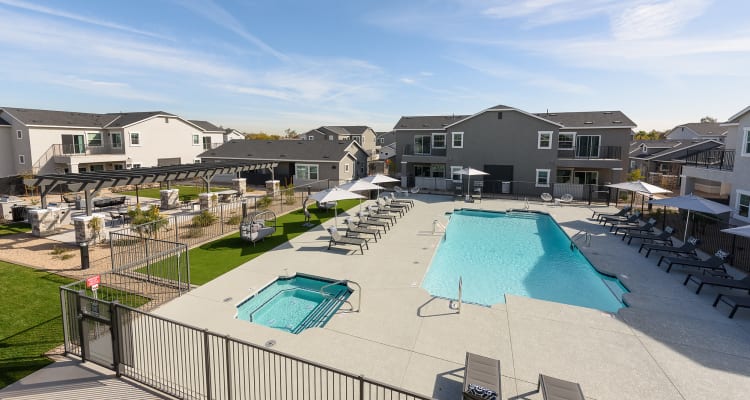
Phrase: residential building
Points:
(211, 133)
(44, 141)
(724, 174)
(384, 154)
(232, 134)
(660, 161)
(299, 161)
(698, 131)
(531, 153)
(364, 135)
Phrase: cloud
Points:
(407, 81)
(656, 20)
(547, 12)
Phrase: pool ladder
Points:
(437, 227)
(346, 282)
(586, 236)
(456, 304)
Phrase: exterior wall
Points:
(610, 170)
(368, 140)
(681, 132)
(159, 139)
(345, 175)
(18, 147)
(740, 177)
(7, 157)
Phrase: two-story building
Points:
(698, 131)
(364, 135)
(43, 141)
(660, 162)
(522, 152)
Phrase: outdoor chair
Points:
(399, 190)
(116, 217)
(402, 208)
(558, 389)
(481, 378)
(414, 190)
(477, 193)
(718, 281)
(664, 237)
(645, 228)
(364, 221)
(633, 221)
(458, 190)
(688, 247)
(354, 229)
(546, 197)
(327, 205)
(255, 231)
(613, 219)
(393, 198)
(375, 212)
(713, 263)
(734, 302)
(337, 239)
(566, 198)
(624, 211)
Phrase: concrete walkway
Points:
(670, 344)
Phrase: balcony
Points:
(64, 153)
(604, 153)
(722, 160)
(429, 156)
(211, 146)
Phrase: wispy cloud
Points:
(547, 12)
(78, 18)
(408, 81)
(656, 19)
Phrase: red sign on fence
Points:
(93, 281)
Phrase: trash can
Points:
(19, 213)
(505, 187)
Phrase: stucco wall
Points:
(7, 168)
(159, 139)
(740, 178)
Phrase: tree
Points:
(652, 135)
(291, 133)
(261, 136)
(708, 119)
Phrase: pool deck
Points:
(669, 344)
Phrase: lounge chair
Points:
(481, 376)
(399, 190)
(633, 221)
(354, 229)
(645, 228)
(365, 221)
(734, 302)
(558, 389)
(726, 282)
(401, 208)
(406, 201)
(664, 237)
(688, 247)
(337, 239)
(623, 212)
(396, 204)
(713, 263)
(613, 219)
(375, 212)
(414, 190)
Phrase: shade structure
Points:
(739, 231)
(639, 186)
(334, 194)
(360, 186)
(470, 172)
(693, 203)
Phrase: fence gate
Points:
(96, 334)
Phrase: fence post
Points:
(79, 317)
(228, 369)
(221, 218)
(361, 387)
(207, 359)
(176, 227)
(115, 329)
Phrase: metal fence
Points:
(519, 190)
(192, 363)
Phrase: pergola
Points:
(89, 182)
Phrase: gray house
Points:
(299, 161)
(698, 131)
(661, 161)
(522, 152)
(364, 135)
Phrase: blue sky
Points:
(272, 65)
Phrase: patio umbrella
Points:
(693, 203)
(640, 187)
(379, 178)
(739, 231)
(470, 172)
(360, 186)
(332, 195)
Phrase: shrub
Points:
(147, 222)
(234, 220)
(289, 194)
(205, 218)
(264, 202)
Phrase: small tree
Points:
(708, 119)
(289, 194)
(635, 175)
(95, 224)
(147, 222)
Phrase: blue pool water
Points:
(294, 304)
(524, 254)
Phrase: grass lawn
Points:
(30, 320)
(14, 228)
(186, 192)
(218, 257)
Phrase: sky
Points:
(275, 65)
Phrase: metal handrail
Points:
(345, 281)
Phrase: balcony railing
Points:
(409, 151)
(211, 146)
(713, 159)
(83, 150)
(603, 153)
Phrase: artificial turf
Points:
(30, 320)
(14, 228)
(220, 256)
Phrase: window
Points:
(566, 140)
(118, 167)
(438, 170)
(544, 140)
(564, 176)
(311, 137)
(166, 120)
(586, 177)
(422, 170)
(196, 161)
(135, 139)
(96, 168)
(381, 140)
(306, 171)
(457, 138)
(19, 134)
(743, 204)
(587, 146)
(746, 143)
(330, 137)
(196, 140)
(456, 173)
(357, 138)
(21, 159)
(422, 144)
(94, 139)
(116, 139)
(346, 167)
(438, 140)
(542, 178)
(81, 169)
(136, 165)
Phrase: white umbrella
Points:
(639, 186)
(693, 203)
(739, 231)
(332, 195)
(360, 186)
(470, 172)
(379, 178)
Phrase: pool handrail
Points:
(346, 282)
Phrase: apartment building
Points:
(45, 141)
(531, 153)
(364, 135)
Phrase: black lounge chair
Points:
(718, 281)
(481, 373)
(689, 247)
(558, 389)
(365, 221)
(664, 237)
(633, 221)
(620, 215)
(337, 239)
(734, 302)
(351, 228)
(713, 263)
(622, 212)
(647, 227)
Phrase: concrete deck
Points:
(670, 344)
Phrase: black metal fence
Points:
(520, 190)
(714, 159)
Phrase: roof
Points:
(676, 147)
(4, 122)
(292, 150)
(589, 119)
(705, 128)
(428, 121)
(208, 127)
(736, 117)
(35, 117)
(341, 130)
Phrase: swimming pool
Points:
(294, 304)
(525, 254)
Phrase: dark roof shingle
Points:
(76, 119)
(428, 121)
(322, 150)
(607, 119)
(207, 126)
(706, 128)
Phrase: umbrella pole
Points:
(664, 218)
(687, 221)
